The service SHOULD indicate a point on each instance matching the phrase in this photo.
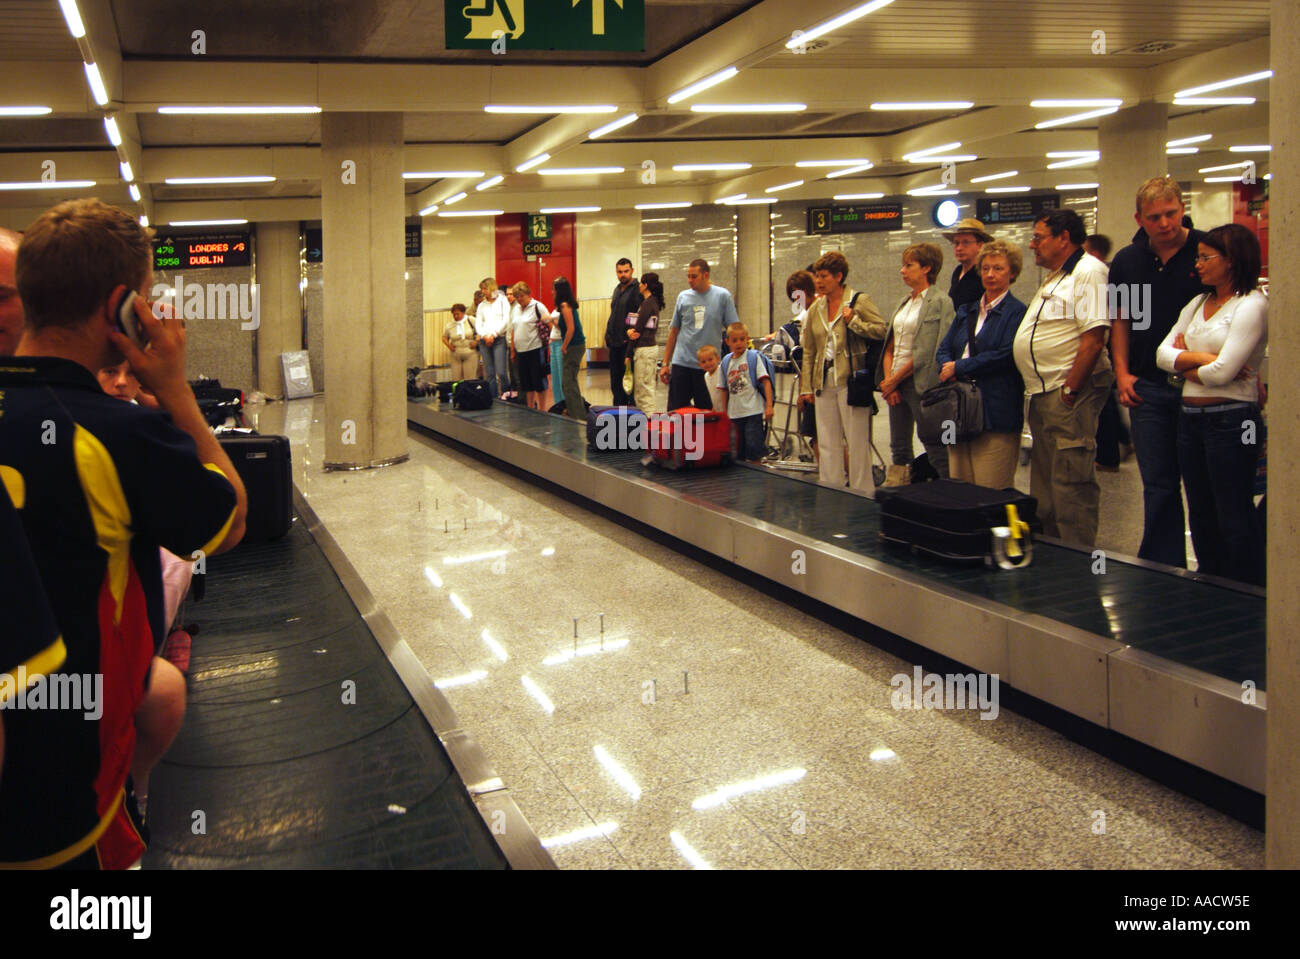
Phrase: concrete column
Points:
(365, 295)
(1282, 825)
(754, 268)
(280, 302)
(1132, 144)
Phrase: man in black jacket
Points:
(625, 299)
(967, 238)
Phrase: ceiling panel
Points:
(467, 127)
(158, 130)
(35, 30)
(57, 133)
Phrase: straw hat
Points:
(972, 226)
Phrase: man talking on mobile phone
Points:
(99, 486)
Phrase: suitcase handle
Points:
(1012, 547)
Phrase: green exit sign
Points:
(505, 25)
(539, 226)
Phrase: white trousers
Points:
(837, 422)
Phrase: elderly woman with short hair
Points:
(989, 459)
(907, 367)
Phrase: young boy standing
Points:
(709, 362)
(743, 370)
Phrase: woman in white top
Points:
(528, 320)
(1217, 345)
(907, 368)
(491, 320)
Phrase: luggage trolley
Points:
(788, 449)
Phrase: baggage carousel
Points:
(1166, 657)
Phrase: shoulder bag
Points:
(957, 402)
(864, 357)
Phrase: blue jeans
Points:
(1155, 439)
(557, 371)
(496, 365)
(1217, 454)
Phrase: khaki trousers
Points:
(1062, 474)
(464, 366)
(644, 360)
(987, 460)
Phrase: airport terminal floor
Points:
(647, 748)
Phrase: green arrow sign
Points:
(505, 25)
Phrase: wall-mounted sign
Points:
(539, 226)
(865, 218)
(505, 25)
(194, 252)
(414, 240)
(537, 247)
(315, 246)
(1015, 209)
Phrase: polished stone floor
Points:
(709, 725)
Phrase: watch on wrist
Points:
(1066, 391)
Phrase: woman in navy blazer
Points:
(990, 458)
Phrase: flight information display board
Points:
(196, 252)
(863, 218)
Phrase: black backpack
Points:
(471, 395)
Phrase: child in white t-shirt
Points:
(709, 362)
(746, 388)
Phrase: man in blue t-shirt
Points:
(701, 314)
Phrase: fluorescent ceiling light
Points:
(455, 198)
(1223, 179)
(429, 209)
(752, 201)
(27, 112)
(490, 182)
(808, 36)
(663, 206)
(821, 163)
(1255, 148)
(114, 135)
(849, 171)
(73, 18)
(570, 209)
(694, 167)
(856, 196)
(783, 186)
(994, 176)
(550, 108)
(579, 170)
(1067, 154)
(214, 180)
(942, 157)
(925, 105)
(1075, 118)
(441, 174)
(1077, 161)
(1076, 186)
(1182, 142)
(1213, 101)
(144, 221)
(127, 173)
(206, 222)
(709, 81)
(96, 82)
(729, 199)
(48, 185)
(748, 107)
(1227, 166)
(932, 150)
(938, 189)
(613, 125)
(1224, 84)
(239, 110)
(1007, 189)
(535, 161)
(1075, 104)
(134, 191)
(1181, 151)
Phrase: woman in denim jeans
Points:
(1217, 345)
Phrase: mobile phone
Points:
(128, 324)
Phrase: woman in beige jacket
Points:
(840, 322)
(462, 342)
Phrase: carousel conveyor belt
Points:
(1166, 657)
(312, 737)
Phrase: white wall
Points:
(602, 239)
(457, 254)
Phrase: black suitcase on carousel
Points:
(616, 428)
(263, 464)
(472, 395)
(962, 522)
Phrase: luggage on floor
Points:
(263, 464)
(616, 428)
(219, 405)
(472, 395)
(961, 521)
(689, 437)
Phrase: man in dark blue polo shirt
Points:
(1154, 277)
(99, 486)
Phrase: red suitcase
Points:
(689, 437)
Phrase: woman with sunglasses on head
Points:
(1217, 345)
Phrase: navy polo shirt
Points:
(99, 485)
(1172, 286)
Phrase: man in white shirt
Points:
(1060, 351)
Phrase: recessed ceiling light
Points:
(857, 196)
(613, 125)
(429, 209)
(1227, 166)
(751, 201)
(490, 182)
(144, 221)
(925, 105)
(1223, 179)
(134, 191)
(570, 209)
(939, 189)
(701, 85)
(239, 222)
(1007, 189)
(748, 107)
(27, 112)
(1223, 84)
(471, 213)
(1075, 118)
(1184, 141)
(1063, 187)
(994, 176)
(455, 198)
(1213, 101)
(48, 185)
(440, 174)
(127, 173)
(215, 180)
(697, 167)
(662, 206)
(535, 161)
(1077, 161)
(849, 171)
(1071, 104)
(549, 108)
(1251, 148)
(96, 82)
(822, 163)
(927, 152)
(239, 111)
(72, 16)
(579, 170)
(1181, 151)
(783, 186)
(945, 158)
(1067, 154)
(801, 37)
(110, 127)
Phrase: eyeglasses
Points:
(1037, 238)
(1206, 257)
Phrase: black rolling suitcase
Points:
(263, 464)
(962, 522)
(616, 428)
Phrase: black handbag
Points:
(957, 402)
(862, 375)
